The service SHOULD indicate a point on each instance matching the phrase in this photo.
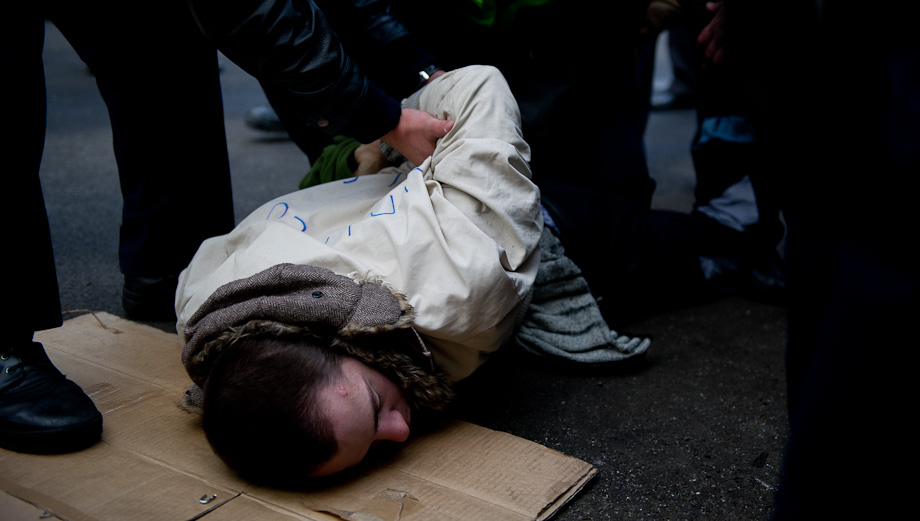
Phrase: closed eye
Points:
(377, 402)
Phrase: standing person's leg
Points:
(637, 261)
(731, 187)
(35, 290)
(841, 118)
(854, 280)
(149, 63)
(40, 410)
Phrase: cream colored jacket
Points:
(458, 235)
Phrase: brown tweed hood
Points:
(290, 299)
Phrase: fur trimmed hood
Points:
(291, 299)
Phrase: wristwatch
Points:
(425, 74)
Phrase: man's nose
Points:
(393, 427)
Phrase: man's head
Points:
(364, 408)
(278, 409)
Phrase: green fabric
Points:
(492, 13)
(336, 162)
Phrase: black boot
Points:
(41, 411)
(746, 264)
(150, 299)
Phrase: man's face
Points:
(364, 408)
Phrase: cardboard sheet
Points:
(154, 463)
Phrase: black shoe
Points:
(150, 299)
(744, 264)
(760, 279)
(41, 411)
(264, 119)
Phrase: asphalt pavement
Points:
(696, 431)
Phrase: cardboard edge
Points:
(553, 508)
(46, 505)
(15, 508)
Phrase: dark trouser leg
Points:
(854, 295)
(842, 120)
(636, 261)
(151, 64)
(35, 303)
(850, 374)
(726, 153)
(40, 410)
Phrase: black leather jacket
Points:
(314, 58)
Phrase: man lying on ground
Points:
(317, 328)
(402, 282)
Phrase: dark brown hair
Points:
(261, 413)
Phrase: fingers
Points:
(710, 37)
(369, 159)
(417, 134)
(439, 128)
(705, 36)
(715, 55)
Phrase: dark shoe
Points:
(758, 279)
(668, 101)
(150, 299)
(264, 119)
(745, 264)
(41, 411)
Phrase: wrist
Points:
(427, 74)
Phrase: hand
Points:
(711, 38)
(659, 16)
(417, 134)
(370, 159)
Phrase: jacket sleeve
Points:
(382, 46)
(293, 50)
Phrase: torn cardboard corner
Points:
(154, 462)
